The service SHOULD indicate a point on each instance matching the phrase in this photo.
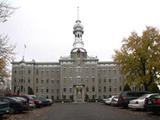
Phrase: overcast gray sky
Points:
(46, 26)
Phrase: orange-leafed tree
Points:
(139, 57)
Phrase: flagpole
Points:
(24, 52)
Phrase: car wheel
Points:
(12, 110)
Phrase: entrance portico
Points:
(78, 95)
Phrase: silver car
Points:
(139, 102)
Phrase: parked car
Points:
(126, 96)
(30, 100)
(35, 100)
(15, 104)
(108, 100)
(50, 101)
(153, 103)
(114, 101)
(139, 102)
(44, 101)
(4, 108)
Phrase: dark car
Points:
(36, 101)
(4, 108)
(126, 96)
(45, 102)
(153, 103)
(16, 105)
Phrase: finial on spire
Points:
(24, 52)
(78, 13)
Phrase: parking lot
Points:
(82, 111)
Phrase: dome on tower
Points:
(78, 27)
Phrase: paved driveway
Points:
(86, 111)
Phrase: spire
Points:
(78, 13)
(78, 32)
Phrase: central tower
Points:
(78, 32)
(78, 50)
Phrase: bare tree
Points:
(6, 50)
(5, 11)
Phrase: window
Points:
(104, 88)
(109, 80)
(93, 96)
(52, 97)
(57, 81)
(52, 81)
(36, 80)
(64, 89)
(14, 79)
(47, 81)
(57, 97)
(52, 90)
(87, 89)
(37, 71)
(47, 90)
(93, 88)
(110, 89)
(70, 89)
(41, 90)
(36, 90)
(120, 88)
(41, 81)
(57, 91)
(29, 72)
(104, 80)
(99, 89)
(28, 80)
(93, 79)
(64, 97)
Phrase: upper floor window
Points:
(28, 80)
(93, 88)
(36, 90)
(47, 81)
(93, 79)
(29, 71)
(87, 89)
(64, 89)
(99, 89)
(110, 89)
(52, 81)
(36, 80)
(104, 88)
(47, 90)
(41, 81)
(37, 71)
(120, 88)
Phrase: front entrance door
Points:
(78, 93)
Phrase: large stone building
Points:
(77, 77)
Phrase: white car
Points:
(114, 101)
(139, 102)
(108, 100)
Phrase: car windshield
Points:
(143, 96)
